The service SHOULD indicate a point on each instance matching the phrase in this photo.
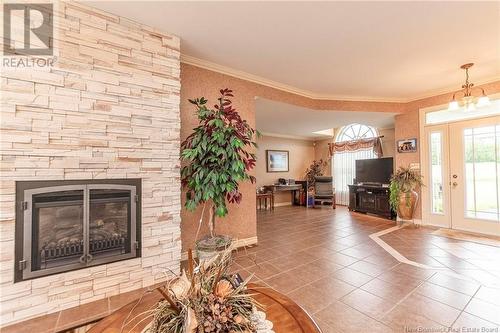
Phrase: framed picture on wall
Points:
(407, 146)
(277, 160)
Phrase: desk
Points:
(285, 314)
(283, 188)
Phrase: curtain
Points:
(372, 143)
(344, 170)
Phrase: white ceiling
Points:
(354, 50)
(280, 119)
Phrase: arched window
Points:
(356, 131)
(344, 163)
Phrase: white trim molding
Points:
(190, 60)
(415, 221)
(282, 204)
(292, 137)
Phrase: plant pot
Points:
(209, 247)
(407, 203)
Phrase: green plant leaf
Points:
(214, 155)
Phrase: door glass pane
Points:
(57, 229)
(109, 232)
(481, 172)
(436, 173)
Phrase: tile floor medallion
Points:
(359, 273)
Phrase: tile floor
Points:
(325, 260)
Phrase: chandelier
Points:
(468, 101)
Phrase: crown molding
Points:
(187, 59)
(451, 90)
(289, 136)
(190, 60)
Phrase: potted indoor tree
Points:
(218, 156)
(315, 169)
(403, 197)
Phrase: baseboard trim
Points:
(281, 204)
(435, 225)
(416, 221)
(237, 243)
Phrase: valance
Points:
(355, 145)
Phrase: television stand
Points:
(372, 199)
(370, 184)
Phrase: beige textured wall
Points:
(321, 152)
(108, 109)
(196, 82)
(388, 144)
(241, 222)
(301, 155)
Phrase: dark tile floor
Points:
(325, 260)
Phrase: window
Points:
(356, 131)
(482, 162)
(436, 172)
(344, 163)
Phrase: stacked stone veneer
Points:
(108, 109)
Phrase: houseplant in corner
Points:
(403, 197)
(218, 156)
(315, 169)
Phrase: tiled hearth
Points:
(77, 317)
(326, 261)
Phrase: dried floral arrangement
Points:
(206, 298)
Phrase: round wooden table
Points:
(285, 314)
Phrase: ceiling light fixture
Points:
(468, 101)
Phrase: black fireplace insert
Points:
(72, 224)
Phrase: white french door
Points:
(462, 174)
(475, 171)
(435, 170)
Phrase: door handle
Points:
(455, 184)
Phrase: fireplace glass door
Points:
(57, 229)
(75, 226)
(109, 225)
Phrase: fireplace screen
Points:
(68, 227)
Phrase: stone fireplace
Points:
(67, 225)
(90, 186)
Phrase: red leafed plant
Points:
(219, 156)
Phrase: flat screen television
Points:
(375, 170)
